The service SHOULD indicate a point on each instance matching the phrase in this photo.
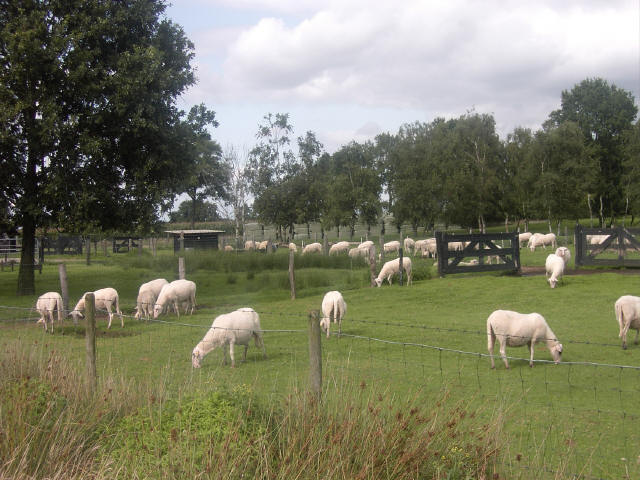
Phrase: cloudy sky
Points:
(350, 69)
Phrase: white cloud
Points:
(509, 58)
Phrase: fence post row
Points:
(315, 355)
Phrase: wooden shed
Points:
(195, 238)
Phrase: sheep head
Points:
(378, 282)
(553, 282)
(196, 358)
(556, 352)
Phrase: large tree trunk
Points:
(26, 280)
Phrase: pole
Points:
(315, 356)
(90, 339)
(401, 269)
(64, 288)
(181, 268)
(292, 275)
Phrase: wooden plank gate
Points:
(615, 247)
(481, 248)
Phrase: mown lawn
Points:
(576, 418)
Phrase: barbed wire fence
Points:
(582, 407)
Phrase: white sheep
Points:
(627, 310)
(312, 248)
(48, 303)
(596, 239)
(366, 244)
(262, 246)
(565, 254)
(176, 293)
(392, 246)
(523, 238)
(249, 245)
(427, 247)
(104, 298)
(541, 240)
(456, 246)
(235, 328)
(147, 295)
(333, 307)
(228, 248)
(293, 247)
(409, 245)
(392, 267)
(515, 329)
(358, 252)
(339, 247)
(554, 268)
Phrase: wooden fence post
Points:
(64, 289)
(401, 265)
(90, 339)
(181, 268)
(372, 264)
(88, 246)
(140, 246)
(292, 275)
(182, 241)
(325, 245)
(315, 355)
(381, 249)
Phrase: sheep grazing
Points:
(409, 245)
(554, 267)
(358, 252)
(147, 295)
(249, 245)
(262, 246)
(427, 247)
(565, 254)
(312, 248)
(293, 247)
(235, 328)
(333, 307)
(105, 298)
(228, 248)
(515, 329)
(392, 267)
(366, 244)
(627, 310)
(523, 238)
(596, 239)
(392, 246)
(48, 303)
(541, 240)
(455, 246)
(176, 293)
(339, 247)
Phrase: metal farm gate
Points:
(614, 247)
(481, 249)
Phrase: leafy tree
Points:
(566, 174)
(473, 160)
(271, 163)
(209, 176)
(355, 186)
(90, 134)
(312, 178)
(207, 212)
(631, 176)
(603, 113)
(519, 176)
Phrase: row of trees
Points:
(584, 161)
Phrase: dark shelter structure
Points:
(190, 239)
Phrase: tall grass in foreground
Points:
(53, 427)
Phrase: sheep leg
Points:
(503, 353)
(244, 356)
(233, 358)
(530, 347)
(110, 317)
(492, 340)
(260, 343)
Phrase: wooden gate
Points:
(481, 249)
(613, 247)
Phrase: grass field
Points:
(573, 420)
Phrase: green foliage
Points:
(184, 435)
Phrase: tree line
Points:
(583, 162)
(92, 140)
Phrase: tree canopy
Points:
(90, 133)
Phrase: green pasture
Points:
(573, 420)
